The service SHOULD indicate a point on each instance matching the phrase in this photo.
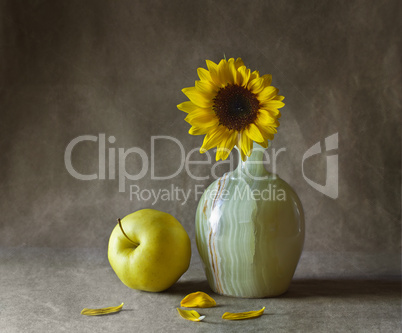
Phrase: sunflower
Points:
(231, 106)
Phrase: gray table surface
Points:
(44, 290)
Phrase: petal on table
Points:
(243, 315)
(101, 311)
(190, 315)
(198, 299)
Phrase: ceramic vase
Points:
(250, 231)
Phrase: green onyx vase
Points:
(250, 231)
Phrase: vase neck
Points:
(253, 165)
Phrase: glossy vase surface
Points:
(250, 231)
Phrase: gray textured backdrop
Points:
(71, 68)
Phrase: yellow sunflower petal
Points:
(267, 93)
(202, 118)
(226, 146)
(224, 73)
(279, 98)
(203, 74)
(243, 315)
(264, 144)
(238, 63)
(213, 72)
(209, 90)
(254, 75)
(243, 156)
(213, 138)
(256, 85)
(222, 65)
(198, 299)
(196, 130)
(190, 315)
(274, 104)
(266, 118)
(275, 113)
(187, 106)
(204, 122)
(254, 133)
(245, 145)
(233, 70)
(245, 74)
(101, 311)
(197, 97)
(266, 131)
(267, 79)
(202, 125)
(271, 121)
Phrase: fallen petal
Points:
(198, 299)
(190, 315)
(243, 315)
(101, 311)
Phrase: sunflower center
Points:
(236, 107)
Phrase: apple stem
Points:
(136, 244)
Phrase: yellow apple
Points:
(149, 250)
